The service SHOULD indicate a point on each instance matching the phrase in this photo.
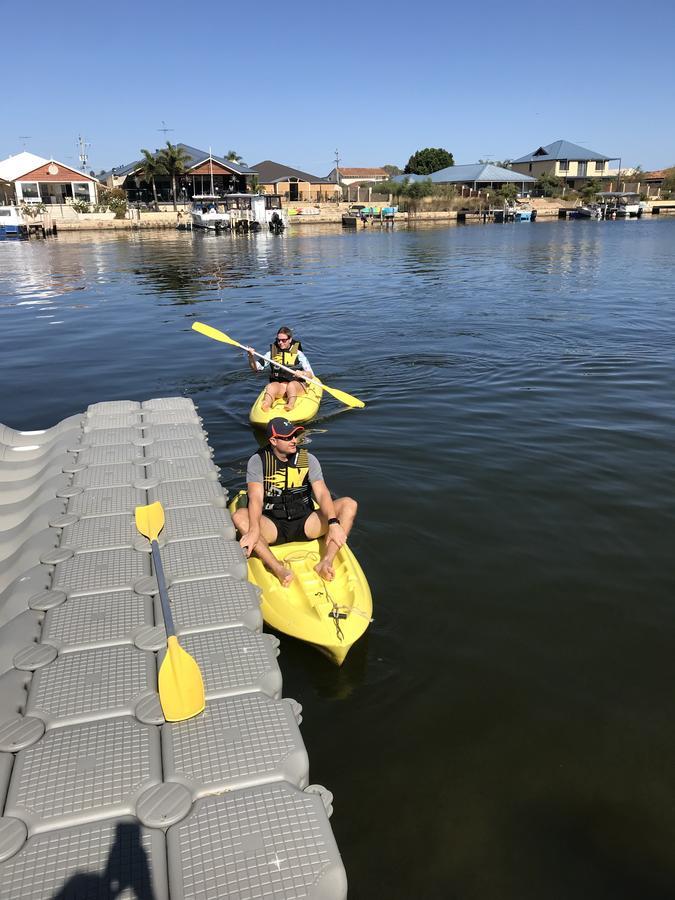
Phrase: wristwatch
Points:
(334, 521)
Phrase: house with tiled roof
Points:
(565, 160)
(653, 181)
(35, 179)
(358, 175)
(205, 173)
(293, 184)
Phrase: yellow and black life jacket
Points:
(288, 493)
(286, 358)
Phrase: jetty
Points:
(99, 795)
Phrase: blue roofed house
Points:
(565, 160)
(478, 177)
(204, 173)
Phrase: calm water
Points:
(507, 728)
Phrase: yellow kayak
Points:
(306, 407)
(330, 615)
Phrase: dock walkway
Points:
(99, 795)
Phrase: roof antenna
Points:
(25, 137)
(82, 147)
(164, 129)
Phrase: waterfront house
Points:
(293, 184)
(477, 177)
(361, 175)
(570, 162)
(653, 181)
(205, 173)
(35, 179)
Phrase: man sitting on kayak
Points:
(289, 353)
(281, 480)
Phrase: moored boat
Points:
(331, 616)
(621, 204)
(12, 223)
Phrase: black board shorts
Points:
(289, 530)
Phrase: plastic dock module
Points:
(99, 795)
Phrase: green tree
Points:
(233, 156)
(173, 160)
(392, 170)
(415, 190)
(507, 192)
(151, 166)
(429, 160)
(590, 190)
(548, 185)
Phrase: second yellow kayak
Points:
(305, 409)
(330, 615)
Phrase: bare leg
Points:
(294, 389)
(273, 391)
(268, 535)
(316, 525)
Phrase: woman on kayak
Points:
(286, 352)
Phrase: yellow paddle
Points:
(181, 687)
(217, 335)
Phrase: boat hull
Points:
(305, 409)
(307, 609)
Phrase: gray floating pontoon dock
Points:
(99, 795)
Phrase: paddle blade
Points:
(150, 520)
(215, 334)
(181, 686)
(344, 397)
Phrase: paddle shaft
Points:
(163, 595)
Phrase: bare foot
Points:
(325, 570)
(289, 406)
(284, 575)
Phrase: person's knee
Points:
(240, 519)
(349, 505)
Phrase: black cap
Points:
(282, 428)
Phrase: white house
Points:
(36, 179)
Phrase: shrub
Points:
(114, 199)
(81, 206)
(32, 209)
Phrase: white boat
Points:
(239, 212)
(208, 212)
(12, 223)
(621, 204)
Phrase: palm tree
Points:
(173, 160)
(233, 156)
(151, 166)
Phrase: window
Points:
(81, 190)
(564, 165)
(530, 167)
(29, 190)
(600, 165)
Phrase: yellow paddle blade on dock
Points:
(181, 687)
(150, 520)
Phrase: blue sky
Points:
(294, 81)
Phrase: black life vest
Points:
(288, 493)
(286, 358)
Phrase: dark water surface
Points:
(507, 728)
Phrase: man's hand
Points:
(248, 541)
(336, 534)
